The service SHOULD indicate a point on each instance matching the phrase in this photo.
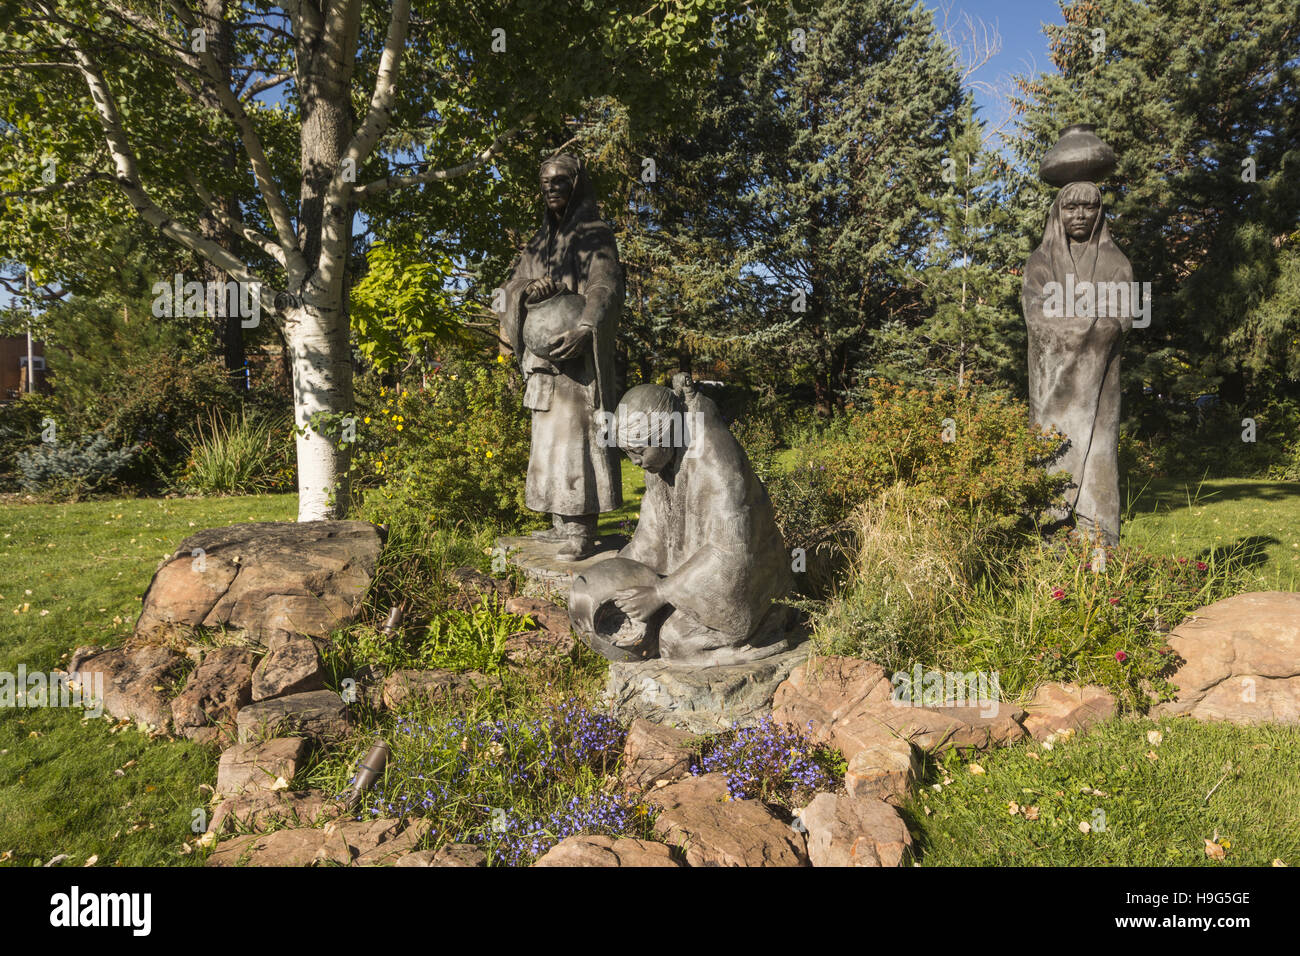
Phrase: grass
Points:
(1145, 804)
(1195, 519)
(88, 565)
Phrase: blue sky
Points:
(1023, 49)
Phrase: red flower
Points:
(1058, 593)
(1114, 600)
(1201, 565)
(1121, 656)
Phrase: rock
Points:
(887, 770)
(1057, 706)
(256, 766)
(700, 819)
(297, 577)
(547, 615)
(365, 843)
(471, 586)
(454, 854)
(292, 665)
(849, 703)
(260, 810)
(585, 850)
(302, 847)
(1242, 660)
(698, 699)
(402, 688)
(855, 831)
(654, 753)
(392, 848)
(543, 574)
(135, 682)
(552, 637)
(221, 684)
(318, 713)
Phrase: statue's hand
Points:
(569, 343)
(641, 603)
(540, 289)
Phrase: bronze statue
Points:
(1079, 301)
(562, 302)
(698, 581)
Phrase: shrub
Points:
(20, 429)
(992, 464)
(242, 454)
(451, 454)
(915, 560)
(73, 469)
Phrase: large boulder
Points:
(221, 684)
(1241, 660)
(850, 704)
(135, 682)
(655, 755)
(296, 577)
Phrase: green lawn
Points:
(1192, 519)
(87, 565)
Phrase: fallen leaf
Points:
(91, 861)
(1085, 827)
(1013, 808)
(976, 768)
(1213, 850)
(1154, 737)
(1274, 863)
(1031, 813)
(1151, 755)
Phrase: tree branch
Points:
(440, 175)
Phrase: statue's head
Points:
(559, 176)
(651, 426)
(1080, 205)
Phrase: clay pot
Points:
(546, 320)
(1078, 156)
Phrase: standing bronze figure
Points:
(1077, 298)
(562, 302)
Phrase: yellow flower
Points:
(399, 428)
(489, 454)
(366, 420)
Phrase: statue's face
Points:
(1079, 217)
(557, 187)
(653, 458)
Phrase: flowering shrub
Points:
(517, 787)
(455, 452)
(772, 763)
(988, 458)
(1075, 612)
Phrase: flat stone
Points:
(849, 704)
(403, 688)
(135, 682)
(454, 854)
(1241, 660)
(1056, 707)
(319, 713)
(301, 847)
(552, 636)
(220, 685)
(259, 810)
(257, 766)
(698, 699)
(654, 755)
(545, 575)
(292, 665)
(710, 829)
(855, 831)
(262, 577)
(589, 850)
(393, 847)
